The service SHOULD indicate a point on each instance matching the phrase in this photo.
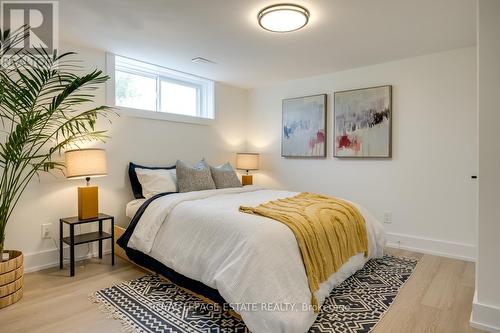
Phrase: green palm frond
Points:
(44, 109)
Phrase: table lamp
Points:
(86, 163)
(247, 161)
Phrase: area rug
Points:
(153, 304)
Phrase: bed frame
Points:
(118, 250)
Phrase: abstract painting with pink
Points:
(304, 127)
(363, 122)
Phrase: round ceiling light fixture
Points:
(284, 17)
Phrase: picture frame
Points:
(304, 127)
(363, 123)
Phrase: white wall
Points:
(427, 184)
(151, 142)
(486, 309)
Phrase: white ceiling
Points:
(341, 34)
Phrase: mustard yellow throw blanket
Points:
(328, 231)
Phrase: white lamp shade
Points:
(82, 163)
(247, 161)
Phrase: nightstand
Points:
(96, 236)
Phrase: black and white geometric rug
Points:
(152, 304)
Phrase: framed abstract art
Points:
(303, 131)
(362, 122)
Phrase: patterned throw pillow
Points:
(224, 176)
(194, 178)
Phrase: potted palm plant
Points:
(44, 109)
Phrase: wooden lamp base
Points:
(88, 204)
(246, 180)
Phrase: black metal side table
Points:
(89, 237)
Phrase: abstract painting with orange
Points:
(363, 122)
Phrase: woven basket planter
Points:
(11, 279)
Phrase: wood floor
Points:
(437, 298)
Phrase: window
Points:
(151, 91)
(135, 91)
(178, 98)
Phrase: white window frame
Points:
(205, 91)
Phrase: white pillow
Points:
(156, 181)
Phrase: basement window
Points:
(144, 90)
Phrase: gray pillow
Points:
(194, 178)
(224, 176)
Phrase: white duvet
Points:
(254, 262)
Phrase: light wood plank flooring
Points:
(437, 298)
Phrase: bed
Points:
(201, 241)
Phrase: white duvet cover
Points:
(254, 262)
(133, 206)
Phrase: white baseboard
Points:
(432, 246)
(50, 258)
(485, 317)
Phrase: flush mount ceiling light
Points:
(284, 17)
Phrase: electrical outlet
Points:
(46, 230)
(388, 217)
